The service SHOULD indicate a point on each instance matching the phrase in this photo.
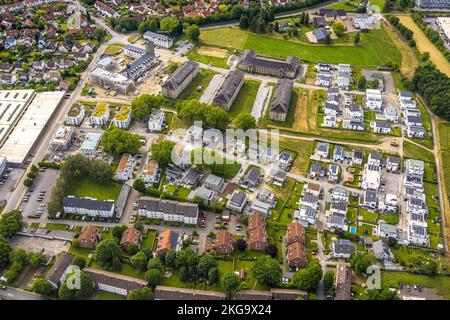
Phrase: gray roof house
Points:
(214, 182)
(229, 89)
(191, 178)
(343, 248)
(281, 69)
(279, 106)
(237, 201)
(180, 79)
(251, 179)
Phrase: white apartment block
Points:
(122, 118)
(373, 99)
(75, 115)
(126, 167)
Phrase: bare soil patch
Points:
(212, 52)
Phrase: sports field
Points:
(375, 48)
(425, 45)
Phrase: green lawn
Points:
(444, 141)
(375, 48)
(56, 226)
(408, 257)
(413, 151)
(245, 98)
(149, 240)
(202, 80)
(368, 216)
(214, 61)
(103, 295)
(114, 48)
(88, 187)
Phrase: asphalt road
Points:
(19, 294)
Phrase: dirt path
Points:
(409, 60)
(425, 45)
(301, 114)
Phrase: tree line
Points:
(431, 34)
(404, 31)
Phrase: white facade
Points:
(371, 177)
(126, 166)
(373, 99)
(100, 116)
(159, 39)
(122, 118)
(157, 120)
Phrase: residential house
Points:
(323, 150)
(168, 210)
(373, 99)
(391, 114)
(257, 237)
(282, 69)
(100, 115)
(333, 172)
(338, 153)
(281, 100)
(343, 249)
(385, 230)
(317, 170)
(252, 179)
(89, 236)
(343, 282)
(88, 206)
(381, 251)
(126, 167)
(214, 182)
(131, 237)
(122, 118)
(168, 240)
(180, 79)
(393, 164)
(371, 177)
(157, 120)
(370, 200)
(340, 194)
(382, 127)
(150, 171)
(237, 201)
(305, 215)
(312, 188)
(224, 242)
(159, 39)
(206, 195)
(285, 160)
(191, 178)
(277, 177)
(114, 282)
(358, 156)
(58, 272)
(229, 89)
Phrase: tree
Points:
(338, 28)
(79, 261)
(108, 254)
(5, 251)
(100, 34)
(431, 268)
(143, 105)
(141, 294)
(272, 250)
(205, 264)
(118, 141)
(230, 282)
(193, 33)
(162, 152)
(357, 38)
(193, 110)
(425, 56)
(213, 275)
(361, 261)
(139, 261)
(308, 279)
(42, 286)
(243, 22)
(169, 25)
(383, 294)
(132, 249)
(267, 271)
(139, 185)
(361, 82)
(28, 182)
(154, 264)
(245, 121)
(117, 231)
(241, 244)
(171, 258)
(328, 281)
(69, 290)
(153, 277)
(10, 224)
(35, 259)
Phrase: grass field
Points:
(304, 150)
(412, 151)
(203, 78)
(245, 98)
(87, 187)
(197, 55)
(114, 48)
(425, 45)
(375, 48)
(444, 144)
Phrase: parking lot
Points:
(39, 194)
(9, 184)
(35, 244)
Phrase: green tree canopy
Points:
(153, 277)
(141, 294)
(214, 117)
(118, 141)
(10, 223)
(108, 254)
(5, 251)
(205, 264)
(267, 271)
(193, 33)
(169, 25)
(245, 121)
(42, 286)
(230, 282)
(143, 105)
(139, 261)
(308, 279)
(361, 261)
(162, 152)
